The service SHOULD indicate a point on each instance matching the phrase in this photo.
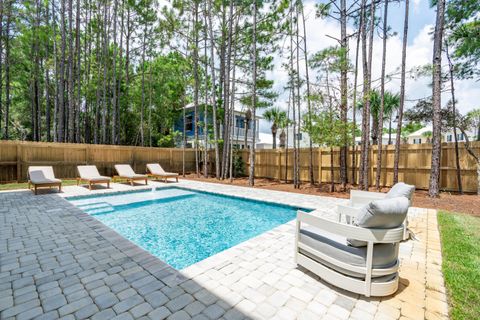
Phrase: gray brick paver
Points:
(141, 310)
(12, 311)
(74, 306)
(106, 300)
(104, 315)
(54, 302)
(179, 302)
(159, 313)
(86, 312)
(127, 304)
(30, 314)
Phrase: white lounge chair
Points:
(355, 258)
(42, 177)
(359, 198)
(91, 175)
(156, 171)
(125, 171)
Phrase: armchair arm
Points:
(350, 231)
(359, 197)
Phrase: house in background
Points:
(385, 139)
(238, 128)
(424, 134)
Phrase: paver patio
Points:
(58, 262)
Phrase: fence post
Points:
(18, 164)
(320, 165)
(171, 159)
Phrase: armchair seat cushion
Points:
(334, 246)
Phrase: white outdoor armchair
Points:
(321, 246)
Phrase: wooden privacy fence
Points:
(414, 165)
(16, 156)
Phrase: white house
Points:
(421, 136)
(385, 139)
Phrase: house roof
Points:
(420, 132)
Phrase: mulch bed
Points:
(466, 203)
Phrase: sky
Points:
(419, 52)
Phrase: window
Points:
(460, 137)
(449, 138)
(189, 123)
(417, 140)
(239, 122)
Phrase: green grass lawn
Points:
(460, 235)
(24, 185)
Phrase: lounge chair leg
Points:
(108, 185)
(146, 182)
(90, 186)
(131, 182)
(176, 178)
(35, 187)
(60, 187)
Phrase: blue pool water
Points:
(182, 227)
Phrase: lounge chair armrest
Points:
(350, 231)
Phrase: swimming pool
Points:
(182, 226)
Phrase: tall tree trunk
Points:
(205, 114)
(119, 82)
(103, 136)
(61, 87)
(354, 104)
(434, 187)
(251, 176)
(382, 97)
(114, 138)
(213, 93)
(343, 91)
(71, 99)
(142, 106)
(227, 128)
(454, 121)
(2, 11)
(232, 99)
(398, 135)
(56, 71)
(366, 104)
(309, 106)
(87, 62)
(196, 87)
(297, 56)
(293, 100)
(78, 73)
(48, 103)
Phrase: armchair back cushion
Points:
(401, 190)
(382, 214)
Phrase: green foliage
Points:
(460, 237)
(237, 163)
(327, 129)
(463, 33)
(170, 140)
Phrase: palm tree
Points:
(276, 117)
(391, 104)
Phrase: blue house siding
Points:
(189, 116)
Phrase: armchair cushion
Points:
(401, 190)
(385, 213)
(334, 246)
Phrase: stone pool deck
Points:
(58, 262)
